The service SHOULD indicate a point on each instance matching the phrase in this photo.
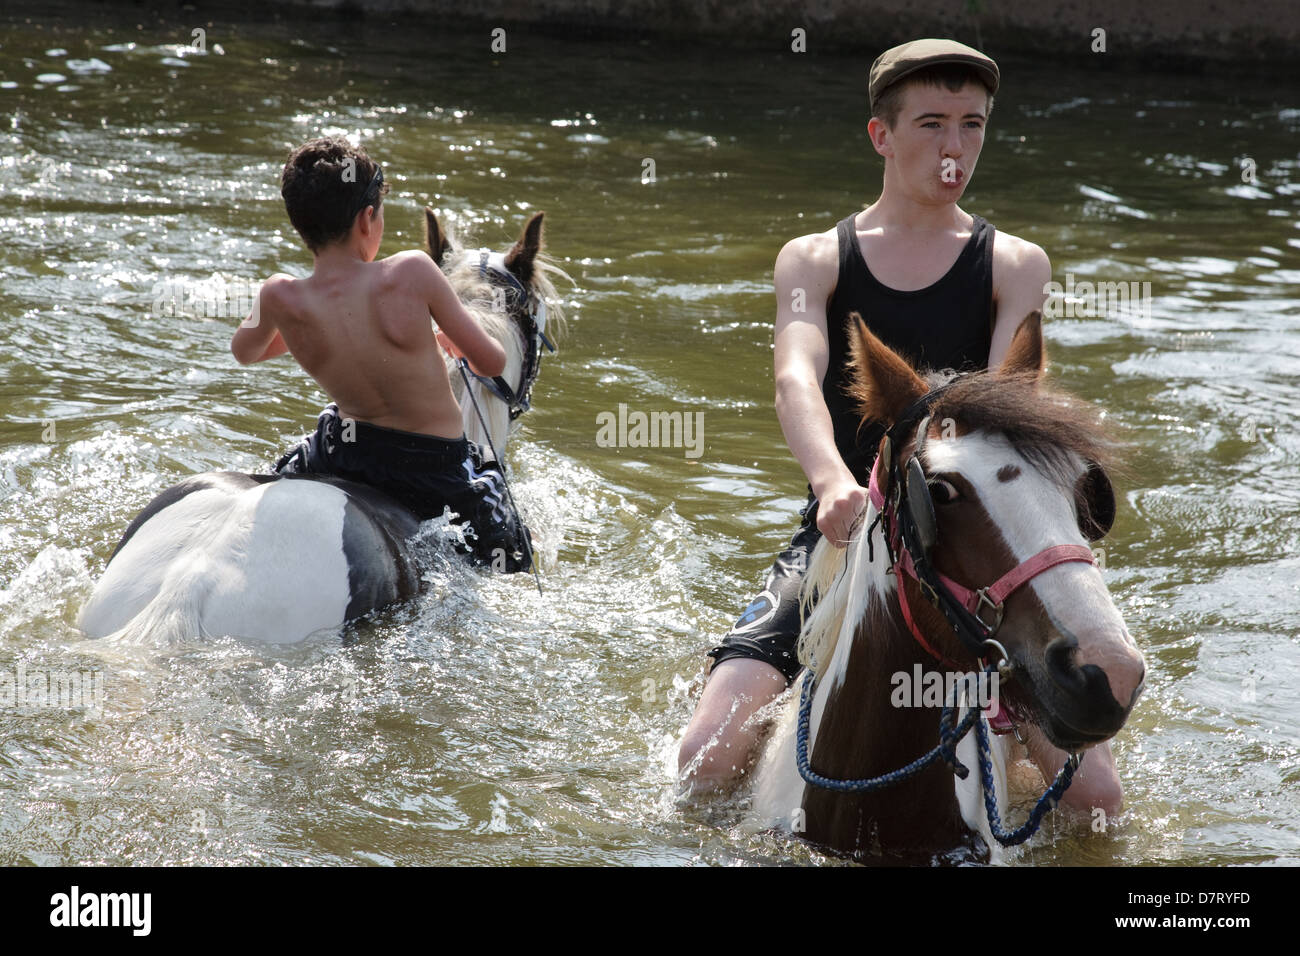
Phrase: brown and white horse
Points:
(275, 559)
(1014, 477)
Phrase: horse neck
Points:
(482, 405)
(857, 732)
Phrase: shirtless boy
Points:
(361, 328)
(934, 283)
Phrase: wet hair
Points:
(950, 76)
(325, 183)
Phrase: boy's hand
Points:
(448, 345)
(839, 509)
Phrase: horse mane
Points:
(1045, 425)
(475, 291)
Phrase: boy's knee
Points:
(1100, 790)
(711, 758)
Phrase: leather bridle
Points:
(530, 318)
(906, 514)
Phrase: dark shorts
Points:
(424, 473)
(768, 628)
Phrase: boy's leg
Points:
(1095, 785)
(720, 741)
(754, 663)
(493, 529)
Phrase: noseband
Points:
(529, 318)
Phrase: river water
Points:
(483, 723)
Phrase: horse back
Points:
(258, 556)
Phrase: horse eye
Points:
(942, 492)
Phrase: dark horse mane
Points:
(1042, 423)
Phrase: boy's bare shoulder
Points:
(1014, 254)
(278, 292)
(411, 261)
(811, 260)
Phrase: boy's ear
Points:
(435, 240)
(519, 260)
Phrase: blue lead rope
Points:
(1045, 805)
(950, 733)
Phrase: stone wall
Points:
(1155, 33)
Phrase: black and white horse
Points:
(275, 559)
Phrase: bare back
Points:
(363, 331)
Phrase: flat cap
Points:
(892, 65)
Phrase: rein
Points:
(463, 365)
(899, 492)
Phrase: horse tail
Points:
(175, 613)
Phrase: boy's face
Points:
(935, 142)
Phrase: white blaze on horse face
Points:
(1034, 512)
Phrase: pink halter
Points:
(991, 598)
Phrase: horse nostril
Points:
(1105, 685)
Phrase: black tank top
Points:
(946, 325)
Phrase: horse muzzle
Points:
(1084, 696)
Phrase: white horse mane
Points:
(842, 583)
(475, 292)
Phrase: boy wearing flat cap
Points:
(934, 283)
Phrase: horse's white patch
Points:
(264, 563)
(970, 793)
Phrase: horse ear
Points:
(519, 259)
(881, 384)
(435, 240)
(1026, 353)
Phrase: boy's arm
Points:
(257, 338)
(485, 354)
(804, 274)
(1021, 271)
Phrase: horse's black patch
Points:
(375, 531)
(227, 480)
